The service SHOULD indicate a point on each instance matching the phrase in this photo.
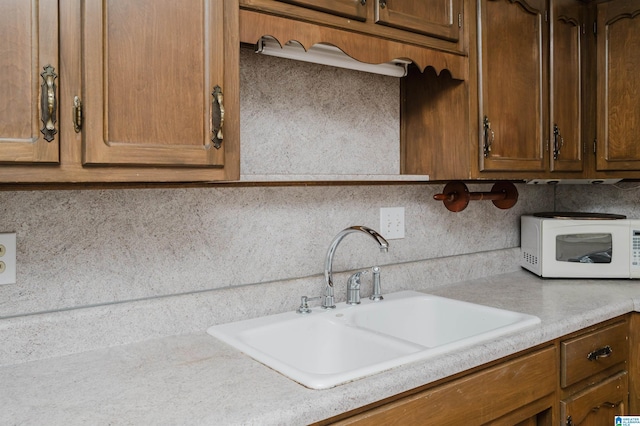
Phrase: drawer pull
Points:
(600, 353)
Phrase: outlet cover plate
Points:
(7, 258)
(392, 222)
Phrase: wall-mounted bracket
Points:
(456, 196)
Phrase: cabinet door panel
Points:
(618, 85)
(353, 9)
(438, 18)
(150, 67)
(598, 404)
(566, 82)
(512, 74)
(28, 43)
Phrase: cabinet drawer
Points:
(591, 353)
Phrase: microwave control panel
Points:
(635, 254)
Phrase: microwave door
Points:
(584, 248)
(584, 252)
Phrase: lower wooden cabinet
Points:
(585, 378)
(594, 380)
(519, 390)
(598, 404)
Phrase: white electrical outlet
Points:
(8, 258)
(392, 222)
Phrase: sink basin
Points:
(434, 322)
(329, 347)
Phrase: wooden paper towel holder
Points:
(456, 196)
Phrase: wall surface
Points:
(79, 248)
(224, 251)
(300, 118)
(621, 198)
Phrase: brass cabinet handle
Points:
(48, 103)
(217, 117)
(77, 114)
(558, 142)
(600, 353)
(489, 136)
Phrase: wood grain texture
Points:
(566, 71)
(634, 363)
(513, 81)
(150, 68)
(478, 398)
(438, 18)
(599, 404)
(175, 167)
(254, 25)
(434, 118)
(28, 42)
(618, 87)
(426, 29)
(573, 353)
(353, 9)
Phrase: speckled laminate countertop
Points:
(195, 379)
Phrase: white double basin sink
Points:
(326, 348)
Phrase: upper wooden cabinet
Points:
(438, 18)
(438, 24)
(618, 87)
(566, 127)
(28, 101)
(150, 70)
(157, 83)
(531, 65)
(512, 74)
(353, 9)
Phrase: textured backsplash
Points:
(78, 248)
(91, 247)
(300, 118)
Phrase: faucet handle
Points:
(353, 288)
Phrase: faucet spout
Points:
(328, 298)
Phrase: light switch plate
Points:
(8, 258)
(392, 222)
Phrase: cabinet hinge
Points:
(595, 145)
(459, 20)
(595, 28)
(546, 16)
(77, 114)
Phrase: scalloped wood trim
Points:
(254, 25)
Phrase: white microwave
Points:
(580, 245)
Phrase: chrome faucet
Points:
(328, 301)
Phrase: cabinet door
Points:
(507, 393)
(438, 18)
(149, 69)
(598, 404)
(618, 61)
(566, 129)
(511, 85)
(354, 9)
(28, 44)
